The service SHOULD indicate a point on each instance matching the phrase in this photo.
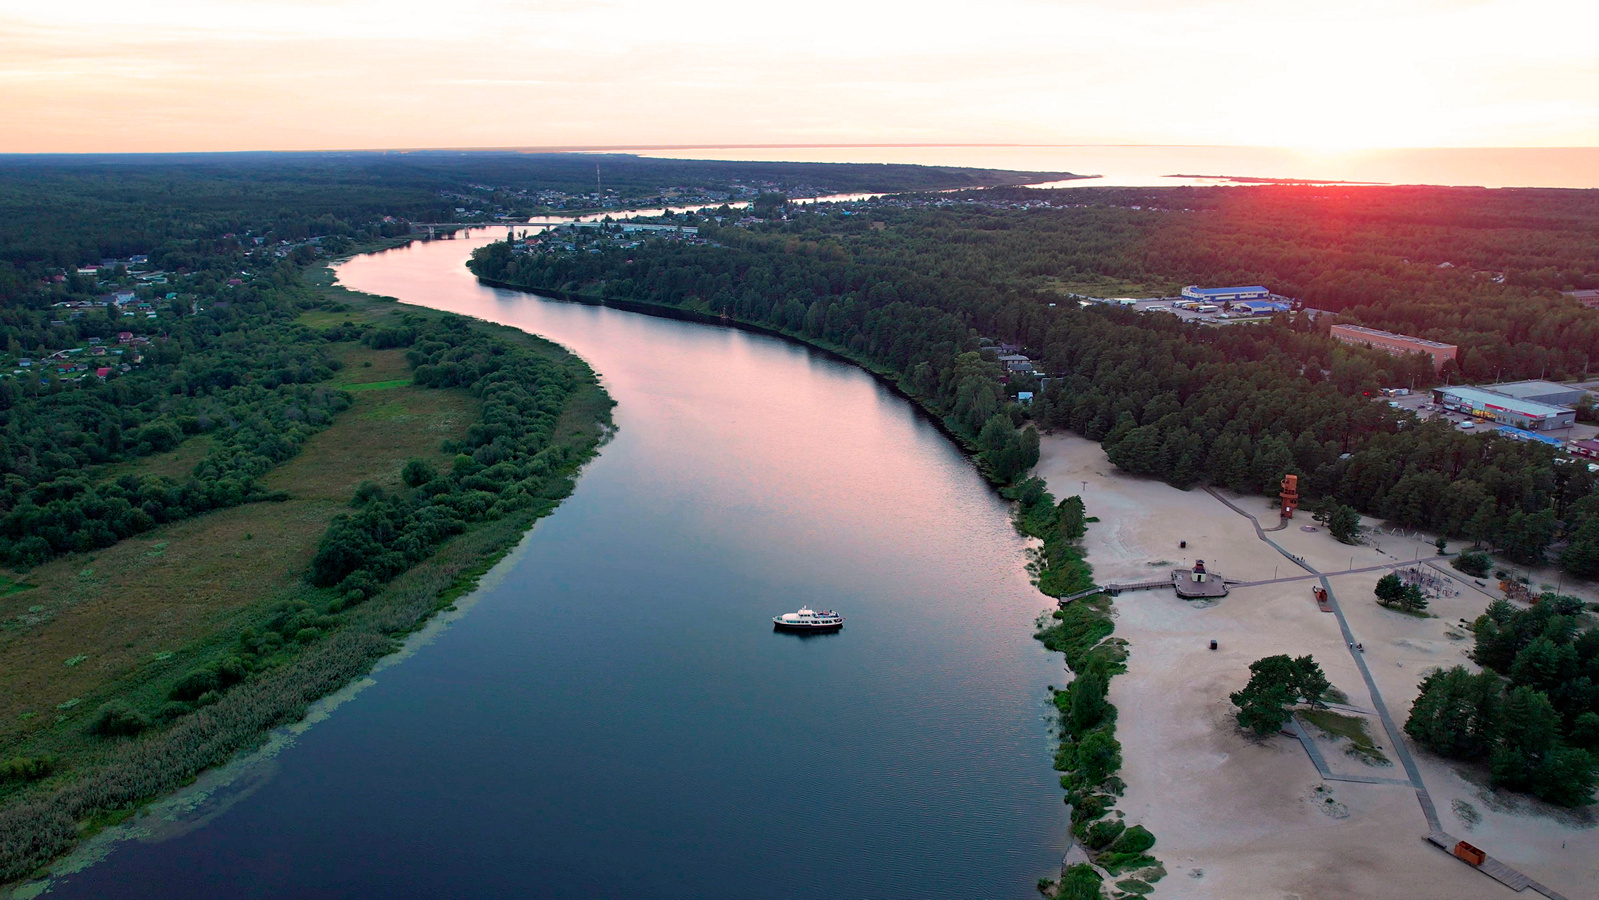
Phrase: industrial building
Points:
(1263, 307)
(1225, 294)
(1498, 408)
(1539, 392)
(1397, 344)
(1588, 298)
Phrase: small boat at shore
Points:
(808, 619)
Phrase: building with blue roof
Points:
(1225, 294)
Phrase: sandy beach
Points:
(1240, 817)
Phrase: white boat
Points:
(808, 619)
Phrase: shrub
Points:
(194, 684)
(116, 719)
(1102, 834)
(1136, 839)
(418, 472)
(1080, 882)
(1474, 564)
(26, 768)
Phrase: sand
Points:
(1241, 817)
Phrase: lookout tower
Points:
(1290, 495)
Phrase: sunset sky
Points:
(88, 75)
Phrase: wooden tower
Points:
(1290, 495)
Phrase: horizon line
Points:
(622, 148)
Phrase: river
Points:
(615, 715)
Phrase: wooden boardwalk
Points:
(1493, 868)
(1297, 729)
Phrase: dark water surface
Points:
(616, 717)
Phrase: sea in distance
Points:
(1146, 166)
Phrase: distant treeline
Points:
(1478, 268)
(1238, 406)
(68, 210)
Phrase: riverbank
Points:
(1244, 817)
(197, 578)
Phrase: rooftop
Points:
(1361, 329)
(1482, 399)
(1525, 389)
(1243, 289)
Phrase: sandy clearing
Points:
(1245, 812)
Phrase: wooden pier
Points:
(1184, 581)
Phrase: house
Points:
(24, 362)
(97, 351)
(1015, 362)
(102, 373)
(124, 337)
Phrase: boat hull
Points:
(806, 626)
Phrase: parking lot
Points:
(1420, 402)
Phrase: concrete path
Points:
(1296, 729)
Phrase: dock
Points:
(1190, 584)
(1491, 867)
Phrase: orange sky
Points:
(152, 75)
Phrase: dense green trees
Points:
(1394, 593)
(1234, 407)
(507, 461)
(1533, 710)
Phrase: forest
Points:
(920, 292)
(1532, 712)
(1482, 269)
(67, 210)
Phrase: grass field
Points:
(142, 610)
(1351, 727)
(127, 622)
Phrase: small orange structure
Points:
(1290, 495)
(1470, 854)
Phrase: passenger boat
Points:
(808, 619)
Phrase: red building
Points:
(1396, 344)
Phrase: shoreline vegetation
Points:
(395, 552)
(1003, 449)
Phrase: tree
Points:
(1412, 600)
(1389, 589)
(1529, 729)
(1275, 684)
(1089, 705)
(418, 472)
(1342, 522)
(1456, 713)
(1473, 564)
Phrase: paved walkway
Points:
(1296, 729)
(1499, 871)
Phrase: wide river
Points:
(615, 717)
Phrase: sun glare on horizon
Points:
(246, 75)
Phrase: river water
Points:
(615, 716)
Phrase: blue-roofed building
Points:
(1225, 294)
(1263, 307)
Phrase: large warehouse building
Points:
(1539, 392)
(1225, 294)
(1397, 344)
(1528, 414)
